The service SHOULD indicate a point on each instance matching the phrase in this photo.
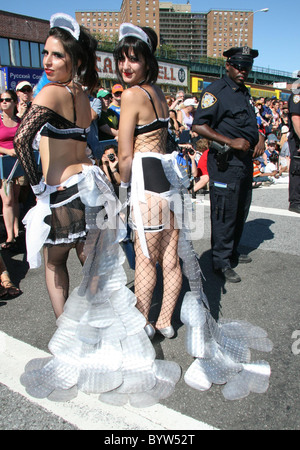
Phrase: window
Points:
(14, 52)
(24, 47)
(4, 52)
(35, 54)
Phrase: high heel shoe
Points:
(167, 332)
(150, 330)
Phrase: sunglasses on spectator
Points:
(8, 100)
(241, 67)
(24, 90)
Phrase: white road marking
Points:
(266, 210)
(86, 412)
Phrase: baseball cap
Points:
(189, 102)
(284, 129)
(103, 93)
(22, 84)
(272, 138)
(117, 88)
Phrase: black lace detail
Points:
(32, 122)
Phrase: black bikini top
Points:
(157, 124)
(67, 129)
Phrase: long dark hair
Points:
(83, 50)
(139, 47)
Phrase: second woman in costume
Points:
(160, 213)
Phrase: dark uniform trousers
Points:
(294, 145)
(294, 183)
(230, 199)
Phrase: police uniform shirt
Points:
(228, 109)
(294, 108)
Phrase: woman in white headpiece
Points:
(160, 207)
(100, 345)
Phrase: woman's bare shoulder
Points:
(51, 96)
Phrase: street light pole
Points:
(252, 14)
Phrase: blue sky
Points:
(276, 33)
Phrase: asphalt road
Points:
(268, 296)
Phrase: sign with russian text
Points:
(11, 76)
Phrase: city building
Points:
(192, 34)
(226, 29)
(183, 30)
(104, 23)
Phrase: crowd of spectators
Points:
(272, 121)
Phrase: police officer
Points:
(294, 146)
(226, 115)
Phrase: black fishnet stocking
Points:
(162, 248)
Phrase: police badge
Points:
(296, 99)
(208, 100)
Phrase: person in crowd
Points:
(267, 115)
(276, 116)
(186, 113)
(183, 158)
(226, 115)
(270, 148)
(109, 165)
(272, 168)
(100, 345)
(199, 170)
(94, 146)
(284, 156)
(284, 130)
(285, 114)
(177, 103)
(294, 148)
(108, 122)
(9, 191)
(7, 287)
(261, 122)
(116, 91)
(196, 100)
(170, 99)
(174, 125)
(25, 94)
(259, 177)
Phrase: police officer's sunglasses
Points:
(241, 67)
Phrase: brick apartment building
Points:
(192, 34)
